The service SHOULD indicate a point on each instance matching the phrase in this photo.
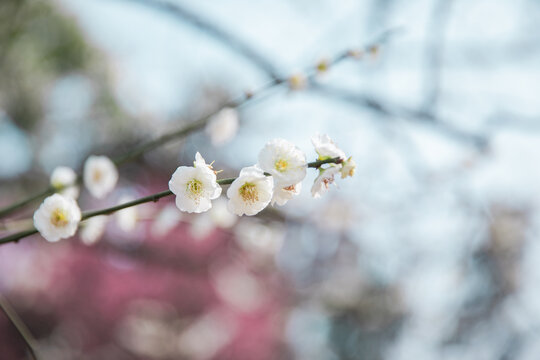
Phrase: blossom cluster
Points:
(59, 215)
(275, 179)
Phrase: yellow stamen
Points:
(249, 192)
(59, 218)
(328, 181)
(322, 65)
(97, 175)
(194, 188)
(281, 165)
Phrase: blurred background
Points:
(429, 252)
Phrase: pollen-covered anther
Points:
(323, 65)
(194, 188)
(374, 51)
(297, 81)
(282, 195)
(327, 182)
(281, 165)
(212, 168)
(97, 175)
(59, 218)
(249, 192)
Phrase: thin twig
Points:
(438, 23)
(234, 43)
(181, 132)
(186, 16)
(19, 325)
(19, 204)
(399, 111)
(150, 198)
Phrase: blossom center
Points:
(59, 218)
(281, 165)
(194, 187)
(249, 192)
(290, 188)
(97, 176)
(328, 181)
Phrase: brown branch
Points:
(388, 110)
(19, 325)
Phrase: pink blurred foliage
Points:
(85, 292)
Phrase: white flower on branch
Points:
(284, 161)
(250, 192)
(57, 217)
(326, 148)
(223, 126)
(282, 195)
(92, 229)
(324, 180)
(100, 175)
(195, 186)
(64, 178)
(347, 168)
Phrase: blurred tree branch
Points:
(251, 54)
(19, 325)
(389, 110)
(235, 43)
(435, 52)
(185, 130)
(146, 199)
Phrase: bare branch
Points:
(19, 325)
(186, 16)
(394, 110)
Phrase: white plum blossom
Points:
(324, 180)
(250, 192)
(195, 186)
(64, 178)
(284, 161)
(127, 218)
(57, 217)
(326, 148)
(100, 175)
(223, 126)
(347, 168)
(92, 229)
(282, 195)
